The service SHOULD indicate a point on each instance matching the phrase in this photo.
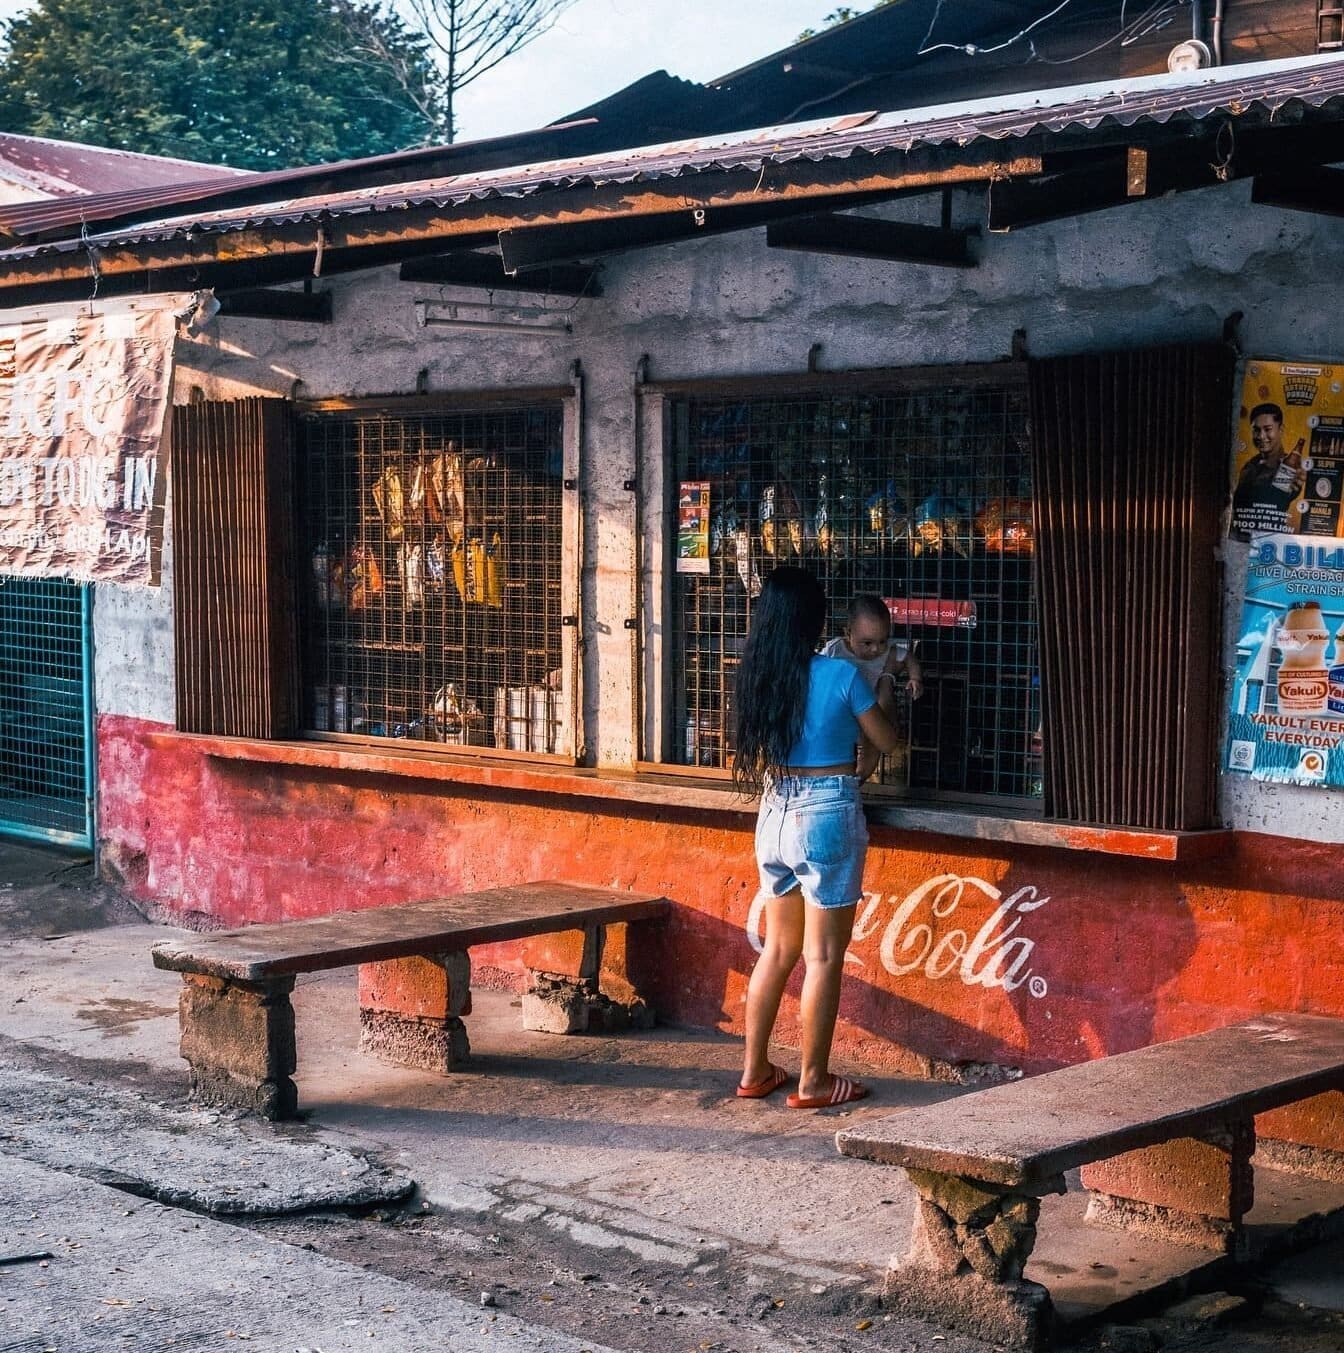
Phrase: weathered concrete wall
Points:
(1155, 272)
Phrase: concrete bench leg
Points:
(1306, 1138)
(238, 1038)
(411, 1009)
(1192, 1191)
(970, 1244)
(580, 981)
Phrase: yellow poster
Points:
(1288, 459)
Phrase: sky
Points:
(599, 46)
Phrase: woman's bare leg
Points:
(783, 945)
(826, 937)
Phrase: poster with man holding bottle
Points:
(1288, 460)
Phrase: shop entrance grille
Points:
(45, 743)
(431, 596)
(921, 497)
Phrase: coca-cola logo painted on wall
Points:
(923, 933)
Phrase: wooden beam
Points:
(302, 307)
(1321, 191)
(804, 186)
(863, 237)
(543, 246)
(487, 272)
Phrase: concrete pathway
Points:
(599, 1192)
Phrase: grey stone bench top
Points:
(1032, 1130)
(444, 925)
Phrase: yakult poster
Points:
(83, 403)
(1288, 459)
(1287, 721)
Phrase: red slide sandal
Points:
(842, 1091)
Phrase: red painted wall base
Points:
(965, 952)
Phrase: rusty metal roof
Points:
(148, 196)
(48, 169)
(1258, 94)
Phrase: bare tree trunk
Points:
(471, 37)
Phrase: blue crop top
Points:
(836, 695)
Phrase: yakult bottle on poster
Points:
(1303, 679)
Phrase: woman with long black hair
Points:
(799, 720)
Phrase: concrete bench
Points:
(1165, 1136)
(238, 1025)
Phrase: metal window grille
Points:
(922, 497)
(432, 607)
(44, 710)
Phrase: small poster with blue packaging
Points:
(1287, 718)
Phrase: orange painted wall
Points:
(1096, 955)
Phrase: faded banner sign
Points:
(83, 403)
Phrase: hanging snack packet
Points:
(390, 501)
(412, 575)
(494, 595)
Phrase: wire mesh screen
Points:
(43, 732)
(922, 498)
(433, 598)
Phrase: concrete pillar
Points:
(1191, 1191)
(1305, 1138)
(411, 1009)
(970, 1245)
(579, 981)
(238, 1039)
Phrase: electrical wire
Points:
(1126, 35)
(971, 49)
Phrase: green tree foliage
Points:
(840, 14)
(258, 84)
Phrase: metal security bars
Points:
(45, 710)
(432, 603)
(1131, 457)
(233, 568)
(921, 495)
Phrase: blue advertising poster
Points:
(1287, 720)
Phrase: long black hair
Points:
(772, 680)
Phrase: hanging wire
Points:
(970, 48)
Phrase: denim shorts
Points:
(811, 834)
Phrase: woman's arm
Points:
(879, 730)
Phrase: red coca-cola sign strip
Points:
(931, 611)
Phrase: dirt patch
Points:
(117, 1015)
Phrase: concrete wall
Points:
(1151, 273)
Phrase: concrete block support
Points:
(238, 1039)
(411, 1009)
(1305, 1138)
(970, 1244)
(579, 982)
(1191, 1191)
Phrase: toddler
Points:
(884, 662)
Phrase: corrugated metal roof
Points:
(65, 169)
(1255, 94)
(148, 195)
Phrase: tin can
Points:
(321, 709)
(340, 709)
